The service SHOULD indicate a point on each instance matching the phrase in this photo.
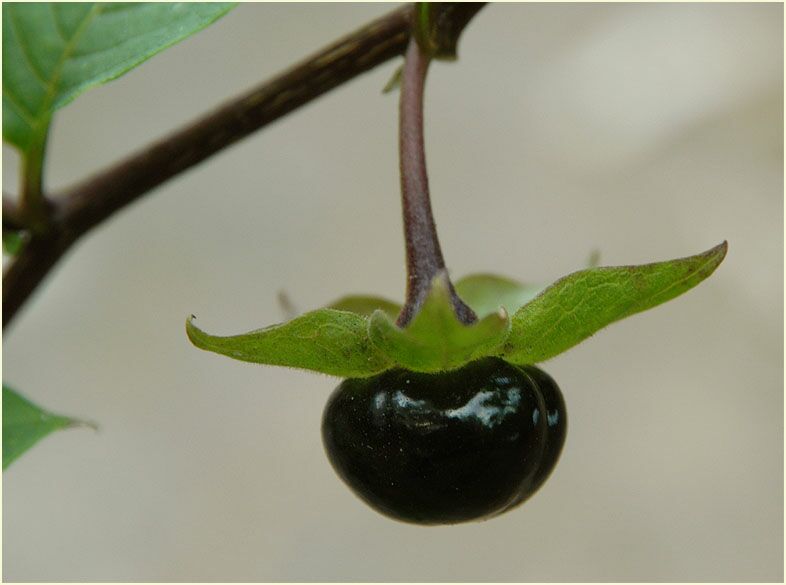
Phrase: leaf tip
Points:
(78, 423)
(193, 332)
(714, 257)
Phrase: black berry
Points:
(448, 447)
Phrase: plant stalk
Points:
(424, 255)
(33, 204)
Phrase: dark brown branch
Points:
(34, 261)
(87, 204)
(12, 215)
(91, 202)
(439, 26)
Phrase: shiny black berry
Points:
(449, 447)
(557, 423)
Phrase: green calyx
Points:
(435, 340)
(357, 336)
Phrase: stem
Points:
(32, 202)
(424, 255)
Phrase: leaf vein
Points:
(564, 315)
(685, 278)
(19, 106)
(68, 49)
(24, 50)
(58, 23)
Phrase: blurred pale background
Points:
(645, 131)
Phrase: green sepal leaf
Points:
(54, 51)
(326, 340)
(486, 293)
(435, 340)
(366, 305)
(24, 424)
(578, 305)
(438, 26)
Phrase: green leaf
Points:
(578, 305)
(326, 340)
(24, 424)
(486, 293)
(365, 305)
(435, 340)
(54, 51)
(12, 242)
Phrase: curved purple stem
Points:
(424, 255)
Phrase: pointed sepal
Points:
(326, 340)
(486, 293)
(578, 305)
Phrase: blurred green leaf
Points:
(24, 424)
(326, 340)
(486, 293)
(54, 51)
(578, 305)
(12, 242)
(365, 305)
(435, 339)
